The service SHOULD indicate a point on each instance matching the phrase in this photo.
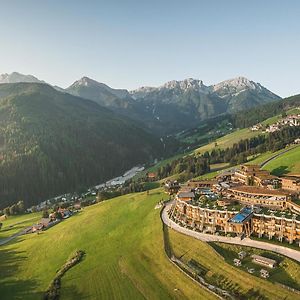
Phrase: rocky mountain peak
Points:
(15, 77)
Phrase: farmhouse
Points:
(151, 176)
(172, 187)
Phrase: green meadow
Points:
(13, 224)
(124, 259)
(287, 163)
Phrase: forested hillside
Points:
(53, 142)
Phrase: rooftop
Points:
(186, 195)
(265, 259)
(259, 190)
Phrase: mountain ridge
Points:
(177, 104)
(52, 143)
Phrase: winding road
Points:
(291, 253)
(277, 155)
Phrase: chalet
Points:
(264, 261)
(172, 187)
(256, 127)
(185, 196)
(151, 176)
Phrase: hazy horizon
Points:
(136, 43)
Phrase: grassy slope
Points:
(232, 278)
(228, 140)
(124, 256)
(224, 142)
(287, 271)
(14, 224)
(287, 163)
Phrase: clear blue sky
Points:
(128, 44)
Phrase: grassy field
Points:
(286, 272)
(228, 140)
(124, 258)
(14, 224)
(228, 277)
(287, 163)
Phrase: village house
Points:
(151, 176)
(256, 127)
(172, 187)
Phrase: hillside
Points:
(287, 163)
(116, 268)
(53, 142)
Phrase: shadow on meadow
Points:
(280, 171)
(11, 287)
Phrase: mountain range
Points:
(55, 140)
(52, 143)
(172, 107)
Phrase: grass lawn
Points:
(124, 258)
(287, 163)
(228, 277)
(14, 224)
(287, 271)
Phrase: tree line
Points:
(193, 166)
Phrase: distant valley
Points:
(55, 140)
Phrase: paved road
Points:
(10, 238)
(277, 155)
(294, 254)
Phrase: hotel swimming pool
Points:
(242, 215)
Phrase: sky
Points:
(128, 44)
